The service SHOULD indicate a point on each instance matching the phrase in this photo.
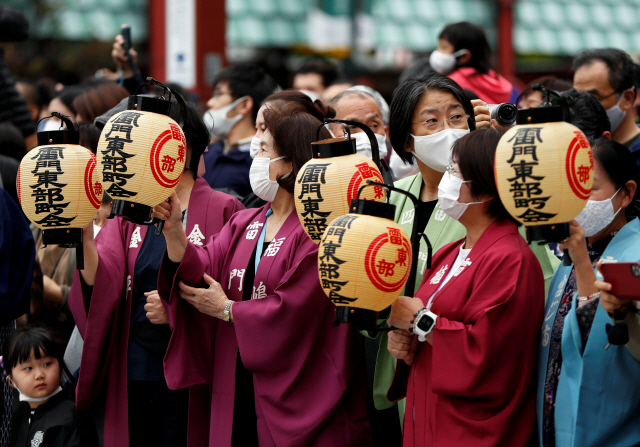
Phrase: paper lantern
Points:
(327, 183)
(364, 262)
(544, 174)
(141, 156)
(59, 191)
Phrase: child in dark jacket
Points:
(45, 416)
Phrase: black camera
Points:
(504, 114)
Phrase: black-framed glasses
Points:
(602, 98)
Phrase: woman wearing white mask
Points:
(298, 102)
(279, 373)
(428, 115)
(588, 394)
(464, 55)
(469, 337)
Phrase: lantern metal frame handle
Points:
(64, 118)
(375, 150)
(181, 103)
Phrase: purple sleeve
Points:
(190, 355)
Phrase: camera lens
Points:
(635, 269)
(505, 114)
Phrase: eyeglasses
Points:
(455, 121)
(602, 98)
(456, 173)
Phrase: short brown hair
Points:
(475, 154)
(98, 99)
(293, 132)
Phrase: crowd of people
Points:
(217, 331)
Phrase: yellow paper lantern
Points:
(59, 191)
(363, 264)
(544, 174)
(141, 156)
(326, 185)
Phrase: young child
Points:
(45, 416)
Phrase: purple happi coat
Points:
(104, 326)
(309, 377)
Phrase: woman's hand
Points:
(402, 311)
(211, 301)
(402, 345)
(169, 211)
(155, 310)
(481, 113)
(609, 302)
(119, 56)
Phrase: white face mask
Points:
(444, 63)
(25, 398)
(254, 149)
(616, 115)
(363, 145)
(448, 194)
(435, 150)
(261, 184)
(597, 215)
(217, 122)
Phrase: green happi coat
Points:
(441, 230)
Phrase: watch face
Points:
(425, 323)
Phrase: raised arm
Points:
(173, 231)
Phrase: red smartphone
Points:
(624, 278)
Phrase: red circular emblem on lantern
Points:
(575, 173)
(92, 190)
(156, 162)
(374, 266)
(358, 178)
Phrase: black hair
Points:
(89, 136)
(467, 36)
(11, 141)
(322, 67)
(419, 68)
(32, 340)
(247, 80)
(475, 154)
(587, 113)
(68, 94)
(620, 166)
(194, 130)
(405, 99)
(622, 70)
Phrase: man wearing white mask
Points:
(608, 74)
(237, 94)
(356, 105)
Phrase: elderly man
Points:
(608, 74)
(355, 105)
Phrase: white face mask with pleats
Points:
(261, 183)
(444, 63)
(363, 145)
(449, 193)
(435, 150)
(217, 122)
(597, 215)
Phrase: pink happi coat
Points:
(104, 326)
(309, 377)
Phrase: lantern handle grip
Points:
(375, 150)
(64, 118)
